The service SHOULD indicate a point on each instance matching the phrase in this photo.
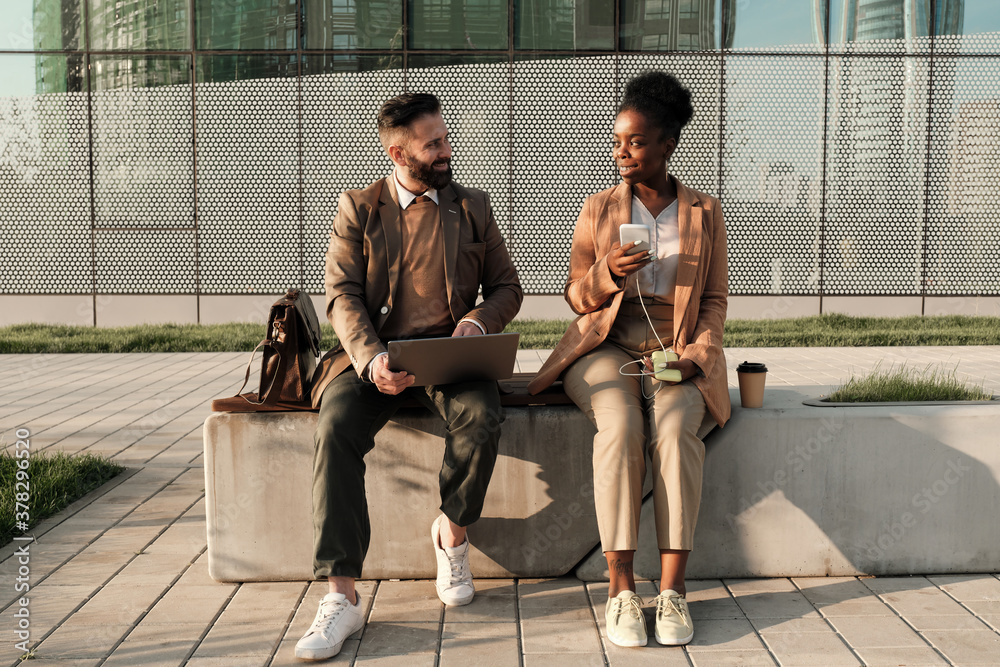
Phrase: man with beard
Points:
(407, 258)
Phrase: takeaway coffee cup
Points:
(752, 376)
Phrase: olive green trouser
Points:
(351, 413)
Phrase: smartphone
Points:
(630, 233)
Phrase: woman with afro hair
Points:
(672, 297)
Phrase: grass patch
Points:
(45, 338)
(816, 331)
(54, 481)
(905, 383)
(847, 331)
(538, 334)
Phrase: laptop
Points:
(459, 359)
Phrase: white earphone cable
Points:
(649, 323)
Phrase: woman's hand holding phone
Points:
(622, 264)
(625, 257)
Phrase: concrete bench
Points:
(789, 490)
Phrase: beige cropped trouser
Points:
(631, 428)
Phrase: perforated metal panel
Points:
(865, 165)
(696, 160)
(143, 167)
(44, 177)
(563, 117)
(248, 178)
(142, 142)
(772, 171)
(877, 143)
(340, 149)
(145, 261)
(978, 43)
(479, 123)
(963, 213)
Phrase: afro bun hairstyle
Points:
(661, 98)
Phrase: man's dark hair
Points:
(397, 115)
(662, 99)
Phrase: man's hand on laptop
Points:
(466, 329)
(387, 381)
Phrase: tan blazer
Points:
(362, 270)
(700, 298)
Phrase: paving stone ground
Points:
(120, 578)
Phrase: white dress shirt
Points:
(659, 277)
(406, 197)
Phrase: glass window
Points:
(881, 26)
(50, 25)
(672, 25)
(22, 76)
(219, 69)
(458, 24)
(345, 64)
(58, 73)
(139, 25)
(564, 24)
(438, 65)
(968, 17)
(967, 26)
(866, 20)
(353, 24)
(137, 72)
(245, 24)
(777, 24)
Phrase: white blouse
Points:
(659, 277)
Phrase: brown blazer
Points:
(700, 297)
(362, 270)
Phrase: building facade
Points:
(197, 147)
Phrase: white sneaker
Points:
(623, 620)
(674, 626)
(454, 580)
(336, 620)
